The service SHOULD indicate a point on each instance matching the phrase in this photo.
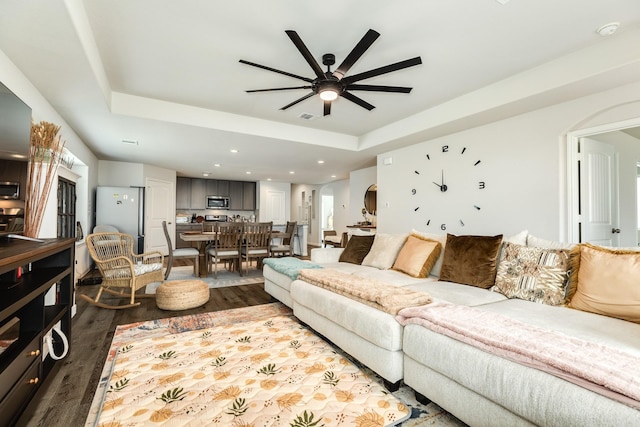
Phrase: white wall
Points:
(523, 165)
(359, 182)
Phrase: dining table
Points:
(205, 237)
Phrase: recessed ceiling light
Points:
(291, 172)
(233, 150)
(268, 179)
(320, 162)
(216, 165)
(333, 176)
(205, 173)
(248, 172)
(608, 29)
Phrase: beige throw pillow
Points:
(384, 251)
(442, 238)
(532, 274)
(606, 281)
(417, 256)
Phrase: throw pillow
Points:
(532, 274)
(384, 250)
(417, 256)
(605, 281)
(547, 244)
(442, 238)
(357, 248)
(471, 260)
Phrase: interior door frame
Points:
(573, 187)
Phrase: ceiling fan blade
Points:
(278, 88)
(377, 88)
(264, 67)
(327, 108)
(361, 102)
(356, 53)
(383, 70)
(295, 38)
(309, 95)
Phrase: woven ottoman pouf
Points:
(182, 294)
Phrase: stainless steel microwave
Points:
(217, 202)
(9, 190)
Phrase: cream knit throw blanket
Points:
(380, 295)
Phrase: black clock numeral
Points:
(463, 150)
(428, 158)
(413, 191)
(416, 172)
(481, 185)
(428, 222)
(416, 209)
(476, 163)
(443, 227)
(477, 207)
(445, 148)
(461, 223)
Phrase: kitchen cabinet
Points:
(235, 195)
(249, 196)
(183, 193)
(47, 266)
(217, 187)
(198, 193)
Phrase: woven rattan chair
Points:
(225, 247)
(286, 247)
(123, 272)
(256, 240)
(191, 253)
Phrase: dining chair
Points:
(286, 246)
(225, 246)
(191, 253)
(123, 272)
(256, 240)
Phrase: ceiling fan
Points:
(330, 85)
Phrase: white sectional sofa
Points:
(478, 387)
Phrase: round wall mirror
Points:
(370, 199)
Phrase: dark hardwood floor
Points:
(66, 398)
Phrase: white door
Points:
(160, 206)
(276, 207)
(598, 193)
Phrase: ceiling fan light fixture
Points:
(328, 94)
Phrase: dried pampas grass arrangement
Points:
(45, 153)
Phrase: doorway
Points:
(624, 137)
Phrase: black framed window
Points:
(66, 208)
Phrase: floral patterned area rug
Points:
(242, 367)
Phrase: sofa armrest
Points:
(325, 255)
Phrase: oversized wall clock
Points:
(447, 188)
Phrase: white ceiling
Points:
(165, 73)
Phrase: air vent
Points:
(307, 116)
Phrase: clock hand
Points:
(437, 184)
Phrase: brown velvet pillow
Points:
(471, 260)
(357, 248)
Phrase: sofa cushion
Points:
(384, 250)
(547, 244)
(357, 248)
(605, 281)
(417, 256)
(533, 274)
(471, 260)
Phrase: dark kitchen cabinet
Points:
(198, 193)
(183, 193)
(249, 196)
(235, 195)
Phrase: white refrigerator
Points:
(123, 208)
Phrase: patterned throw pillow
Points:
(533, 274)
